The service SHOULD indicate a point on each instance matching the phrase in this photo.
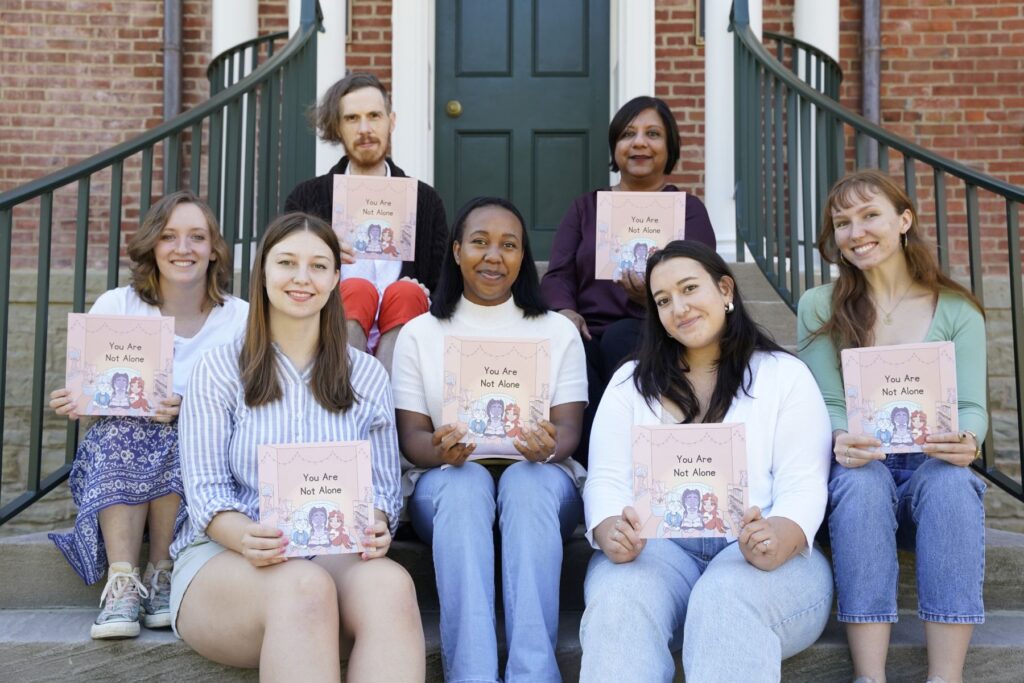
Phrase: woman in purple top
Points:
(644, 143)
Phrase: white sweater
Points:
(788, 434)
(417, 373)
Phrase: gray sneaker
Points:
(156, 607)
(120, 600)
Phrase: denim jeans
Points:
(739, 622)
(914, 502)
(537, 507)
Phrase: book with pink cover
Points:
(494, 387)
(901, 394)
(319, 494)
(119, 364)
(690, 480)
(376, 215)
(633, 225)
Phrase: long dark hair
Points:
(853, 313)
(526, 288)
(330, 380)
(661, 360)
(629, 111)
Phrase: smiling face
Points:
(365, 127)
(868, 231)
(489, 255)
(183, 251)
(641, 151)
(690, 305)
(300, 275)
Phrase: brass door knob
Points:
(453, 109)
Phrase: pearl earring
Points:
(729, 307)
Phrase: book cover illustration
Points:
(633, 225)
(320, 495)
(901, 394)
(119, 364)
(494, 388)
(690, 480)
(376, 215)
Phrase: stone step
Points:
(53, 645)
(35, 574)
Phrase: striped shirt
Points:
(219, 434)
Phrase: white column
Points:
(817, 22)
(412, 86)
(631, 54)
(330, 68)
(234, 22)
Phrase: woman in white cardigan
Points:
(746, 605)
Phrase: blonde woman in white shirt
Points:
(743, 606)
(126, 478)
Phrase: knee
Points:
(946, 484)
(469, 489)
(402, 301)
(386, 589)
(620, 597)
(306, 593)
(871, 484)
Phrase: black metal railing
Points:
(253, 141)
(236, 62)
(793, 141)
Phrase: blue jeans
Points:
(739, 622)
(914, 502)
(537, 507)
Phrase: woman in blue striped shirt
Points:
(235, 598)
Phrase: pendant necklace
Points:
(887, 315)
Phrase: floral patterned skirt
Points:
(121, 460)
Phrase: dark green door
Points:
(531, 80)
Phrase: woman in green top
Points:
(890, 291)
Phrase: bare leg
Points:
(163, 511)
(947, 649)
(283, 619)
(869, 645)
(121, 526)
(356, 336)
(378, 607)
(386, 347)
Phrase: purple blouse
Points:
(569, 281)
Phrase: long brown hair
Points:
(330, 380)
(853, 314)
(146, 275)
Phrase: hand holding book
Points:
(377, 538)
(956, 449)
(619, 537)
(537, 444)
(448, 447)
(856, 450)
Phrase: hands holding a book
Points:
(447, 446)
(855, 451)
(537, 444)
(169, 409)
(767, 543)
(956, 449)
(261, 545)
(619, 537)
(348, 253)
(62, 404)
(636, 288)
(377, 538)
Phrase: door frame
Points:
(631, 73)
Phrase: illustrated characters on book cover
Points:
(376, 215)
(631, 226)
(319, 495)
(495, 388)
(119, 364)
(901, 394)
(690, 481)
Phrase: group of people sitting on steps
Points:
(330, 348)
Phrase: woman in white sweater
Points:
(489, 288)
(745, 605)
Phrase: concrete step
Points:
(53, 645)
(35, 574)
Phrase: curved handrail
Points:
(256, 42)
(806, 47)
(178, 124)
(953, 168)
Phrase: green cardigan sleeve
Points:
(958, 321)
(818, 353)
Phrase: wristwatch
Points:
(977, 442)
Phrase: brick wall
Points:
(370, 49)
